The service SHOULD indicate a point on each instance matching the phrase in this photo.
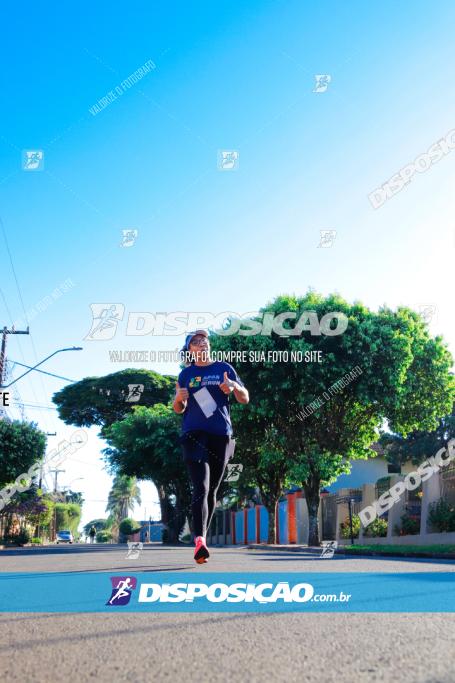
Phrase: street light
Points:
(76, 479)
(71, 348)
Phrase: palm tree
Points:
(123, 496)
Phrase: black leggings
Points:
(206, 474)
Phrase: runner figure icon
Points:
(328, 549)
(134, 550)
(106, 319)
(134, 393)
(121, 590)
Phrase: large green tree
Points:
(418, 445)
(146, 445)
(260, 448)
(385, 367)
(103, 400)
(67, 516)
(123, 496)
(30, 508)
(21, 445)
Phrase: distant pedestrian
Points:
(92, 534)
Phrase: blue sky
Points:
(229, 76)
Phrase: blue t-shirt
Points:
(209, 377)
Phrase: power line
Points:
(23, 306)
(18, 342)
(20, 348)
(38, 407)
(13, 269)
(16, 395)
(51, 374)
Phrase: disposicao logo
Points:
(222, 592)
(122, 587)
(219, 592)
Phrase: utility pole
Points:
(55, 478)
(42, 463)
(5, 332)
(54, 531)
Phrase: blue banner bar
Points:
(227, 592)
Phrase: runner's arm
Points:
(241, 394)
(181, 399)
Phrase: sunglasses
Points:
(197, 341)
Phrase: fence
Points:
(447, 482)
(250, 525)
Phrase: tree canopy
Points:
(103, 400)
(418, 445)
(21, 445)
(146, 444)
(319, 401)
(123, 496)
(384, 367)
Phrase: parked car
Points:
(64, 537)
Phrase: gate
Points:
(382, 485)
(329, 517)
(447, 480)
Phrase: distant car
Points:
(64, 537)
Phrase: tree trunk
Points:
(183, 507)
(164, 508)
(169, 516)
(312, 499)
(271, 505)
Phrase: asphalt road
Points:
(229, 648)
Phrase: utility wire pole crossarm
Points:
(6, 331)
(56, 472)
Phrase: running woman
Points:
(202, 395)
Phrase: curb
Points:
(303, 549)
(345, 550)
(421, 554)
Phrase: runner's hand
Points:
(228, 385)
(182, 393)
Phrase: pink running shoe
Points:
(201, 553)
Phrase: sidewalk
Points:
(435, 552)
(293, 548)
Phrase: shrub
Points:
(21, 538)
(410, 525)
(37, 541)
(128, 526)
(103, 536)
(377, 528)
(345, 528)
(442, 516)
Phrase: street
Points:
(220, 647)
